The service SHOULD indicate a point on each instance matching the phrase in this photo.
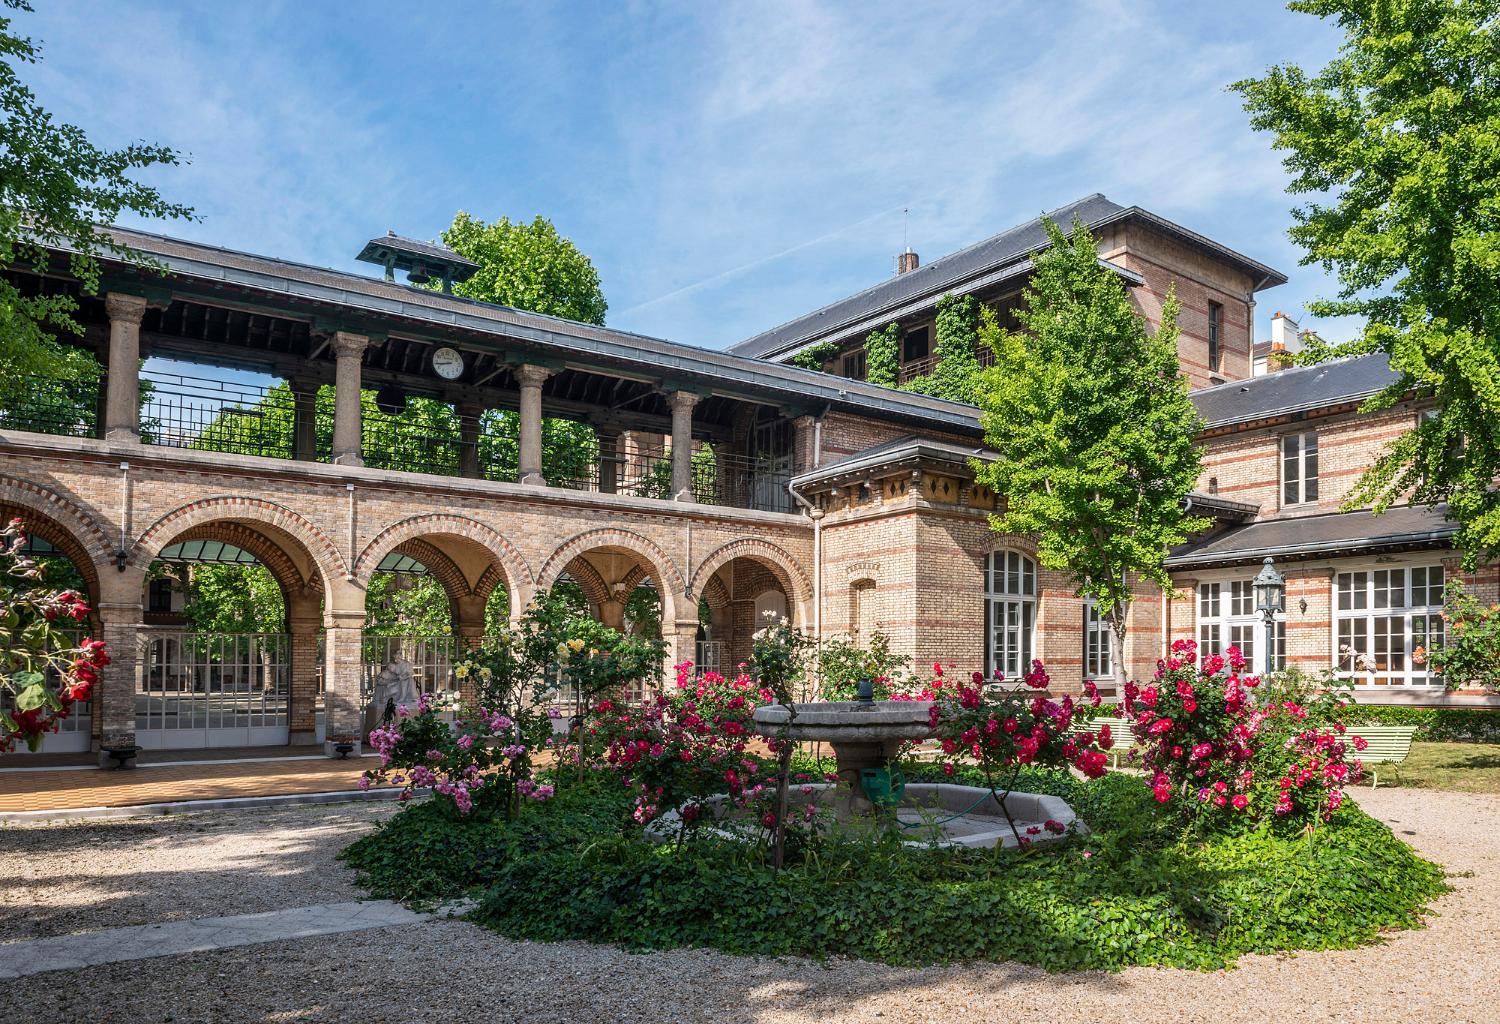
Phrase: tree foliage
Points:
(1090, 415)
(527, 266)
(1396, 142)
(55, 188)
(232, 599)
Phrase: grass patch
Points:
(1457, 767)
(1132, 893)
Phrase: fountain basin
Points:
(930, 814)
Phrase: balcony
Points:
(235, 413)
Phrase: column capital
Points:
(683, 401)
(125, 307)
(530, 375)
(805, 422)
(349, 345)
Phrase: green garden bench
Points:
(1119, 730)
(1388, 744)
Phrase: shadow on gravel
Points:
(85, 874)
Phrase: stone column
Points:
(530, 379)
(343, 671)
(304, 419)
(682, 403)
(304, 620)
(121, 624)
(468, 439)
(609, 460)
(349, 348)
(122, 403)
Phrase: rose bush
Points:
(44, 671)
(675, 750)
(1003, 729)
(1225, 759)
(483, 762)
(1470, 652)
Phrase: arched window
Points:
(1009, 612)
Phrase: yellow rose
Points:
(461, 671)
(576, 644)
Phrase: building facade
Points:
(331, 427)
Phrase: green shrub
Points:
(1128, 894)
(1440, 725)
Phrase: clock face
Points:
(448, 364)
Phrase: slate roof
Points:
(359, 296)
(1010, 248)
(911, 448)
(1408, 527)
(1296, 390)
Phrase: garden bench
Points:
(1388, 744)
(1119, 730)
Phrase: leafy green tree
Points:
(1394, 143)
(406, 604)
(232, 599)
(527, 266)
(55, 187)
(1090, 415)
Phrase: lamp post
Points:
(1270, 599)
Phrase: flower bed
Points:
(1131, 893)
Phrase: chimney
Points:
(1284, 334)
(907, 262)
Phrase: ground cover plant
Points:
(1181, 882)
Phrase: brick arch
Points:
(715, 592)
(71, 529)
(508, 566)
(438, 565)
(634, 577)
(595, 589)
(670, 583)
(254, 512)
(267, 551)
(780, 564)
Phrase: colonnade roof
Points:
(328, 300)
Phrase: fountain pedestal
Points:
(862, 735)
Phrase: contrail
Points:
(696, 285)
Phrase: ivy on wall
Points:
(956, 375)
(883, 356)
(813, 358)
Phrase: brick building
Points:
(728, 483)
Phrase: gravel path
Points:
(108, 873)
(446, 970)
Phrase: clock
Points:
(448, 363)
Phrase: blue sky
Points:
(727, 166)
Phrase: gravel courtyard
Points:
(107, 874)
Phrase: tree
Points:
(1090, 415)
(56, 188)
(527, 266)
(1394, 141)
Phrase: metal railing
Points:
(916, 368)
(424, 436)
(62, 408)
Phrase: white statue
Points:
(395, 687)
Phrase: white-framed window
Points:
(1096, 660)
(1009, 612)
(1299, 468)
(1380, 618)
(1227, 618)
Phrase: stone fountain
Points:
(866, 737)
